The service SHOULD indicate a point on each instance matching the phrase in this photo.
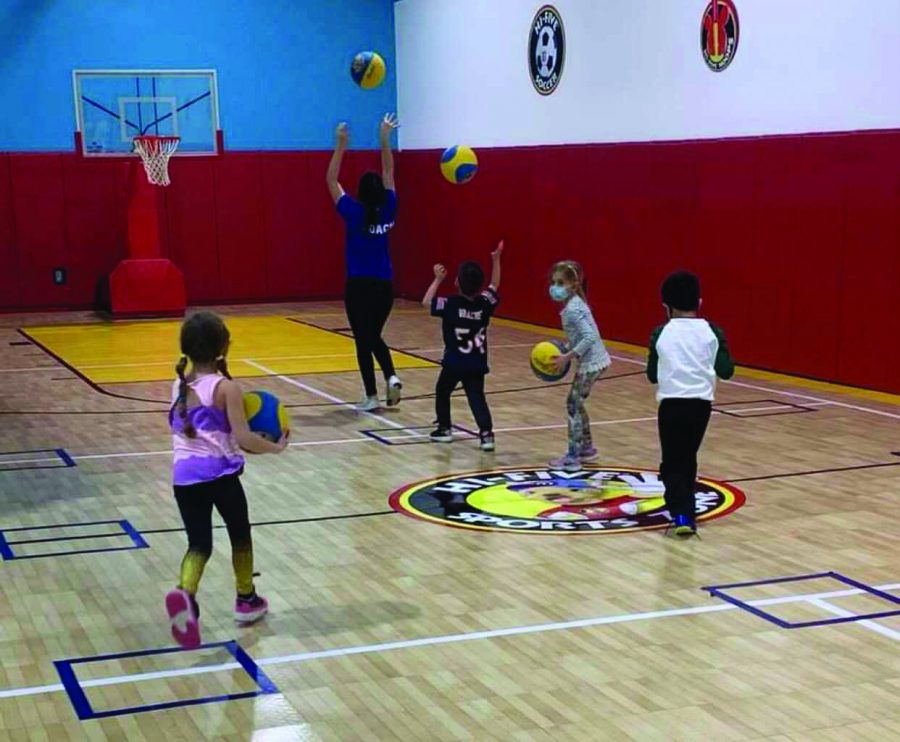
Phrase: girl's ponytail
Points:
(181, 401)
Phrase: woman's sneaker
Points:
(567, 463)
(250, 608)
(368, 404)
(184, 616)
(487, 441)
(441, 435)
(684, 525)
(394, 389)
(588, 454)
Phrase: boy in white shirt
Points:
(686, 355)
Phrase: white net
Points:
(155, 151)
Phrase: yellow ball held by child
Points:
(368, 70)
(459, 164)
(266, 416)
(542, 356)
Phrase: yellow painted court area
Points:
(147, 351)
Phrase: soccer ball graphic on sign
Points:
(545, 52)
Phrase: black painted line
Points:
(20, 342)
(93, 385)
(430, 361)
(835, 470)
(293, 521)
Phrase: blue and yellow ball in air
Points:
(368, 70)
(459, 164)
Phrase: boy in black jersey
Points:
(465, 318)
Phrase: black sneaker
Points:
(441, 435)
(487, 440)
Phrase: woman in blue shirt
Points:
(369, 291)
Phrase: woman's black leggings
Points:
(368, 302)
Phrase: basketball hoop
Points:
(155, 151)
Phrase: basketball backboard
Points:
(114, 106)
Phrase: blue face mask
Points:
(559, 293)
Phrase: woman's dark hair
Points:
(470, 278)
(681, 291)
(372, 195)
(204, 339)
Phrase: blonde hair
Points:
(572, 272)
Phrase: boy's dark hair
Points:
(372, 195)
(681, 291)
(204, 339)
(470, 277)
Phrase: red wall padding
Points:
(251, 226)
(796, 239)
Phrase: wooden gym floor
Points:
(389, 627)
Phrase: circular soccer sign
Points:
(546, 50)
(538, 500)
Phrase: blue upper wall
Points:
(283, 65)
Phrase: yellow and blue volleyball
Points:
(368, 70)
(542, 356)
(266, 416)
(459, 164)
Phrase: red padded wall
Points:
(10, 296)
(796, 239)
(39, 215)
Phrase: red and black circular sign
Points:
(719, 34)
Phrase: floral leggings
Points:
(579, 422)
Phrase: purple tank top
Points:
(214, 452)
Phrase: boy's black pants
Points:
(473, 383)
(682, 425)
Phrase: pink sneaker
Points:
(250, 609)
(567, 463)
(183, 615)
(589, 453)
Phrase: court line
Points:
(95, 366)
(324, 395)
(168, 452)
(834, 470)
(871, 625)
(519, 429)
(442, 639)
(773, 390)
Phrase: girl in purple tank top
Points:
(209, 430)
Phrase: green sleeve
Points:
(724, 364)
(653, 358)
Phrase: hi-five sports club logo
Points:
(719, 34)
(546, 50)
(548, 501)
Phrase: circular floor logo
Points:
(547, 501)
(719, 34)
(546, 50)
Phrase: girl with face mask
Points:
(591, 359)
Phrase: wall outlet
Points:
(59, 276)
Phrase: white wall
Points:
(634, 71)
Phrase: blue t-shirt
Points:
(367, 246)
